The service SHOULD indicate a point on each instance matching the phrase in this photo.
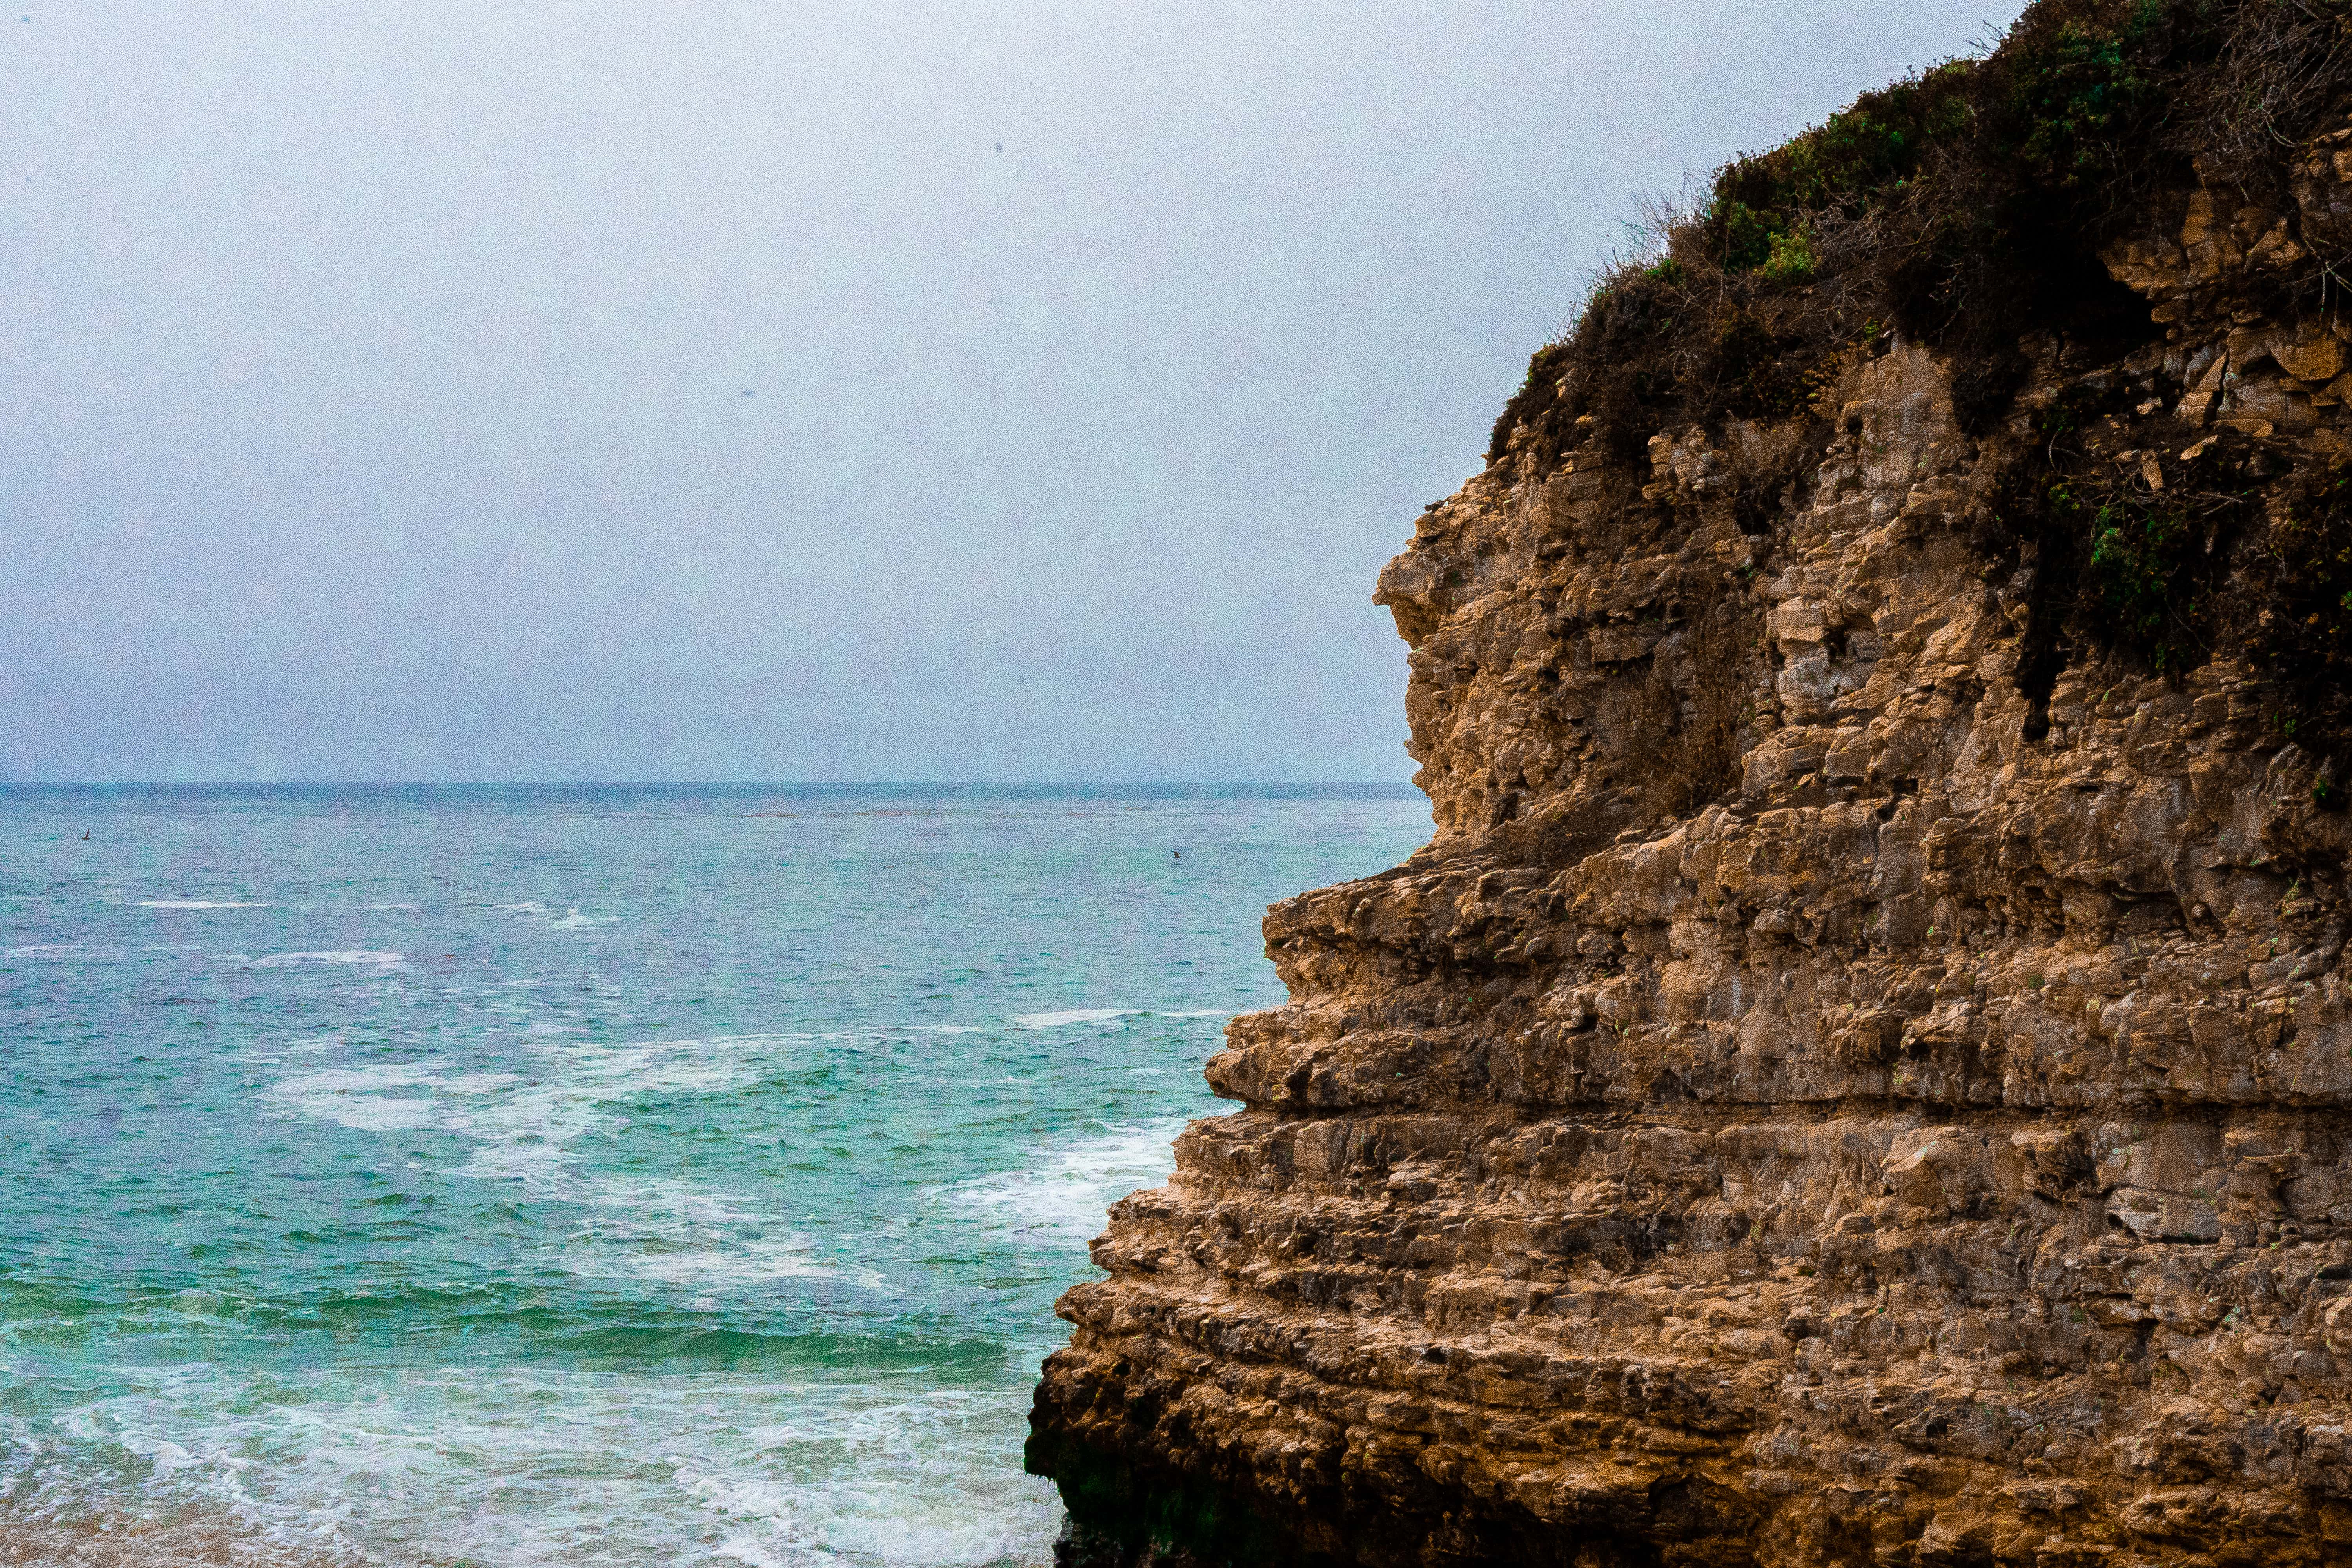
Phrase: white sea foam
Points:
(1107, 1014)
(746, 1263)
(45, 949)
(523, 1126)
(392, 906)
(477, 1082)
(534, 1466)
(1075, 1015)
(1061, 1198)
(665, 1205)
(385, 1113)
(870, 1489)
(202, 904)
(571, 920)
(280, 960)
(312, 1047)
(357, 1098)
(675, 1233)
(804, 1527)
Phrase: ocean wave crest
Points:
(1073, 1015)
(1064, 1197)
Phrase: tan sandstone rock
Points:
(1815, 1101)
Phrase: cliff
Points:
(1861, 1073)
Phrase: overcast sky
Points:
(571, 390)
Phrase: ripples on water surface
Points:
(593, 1175)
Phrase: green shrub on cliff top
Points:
(1964, 206)
(2073, 99)
(1791, 259)
(2058, 105)
(1858, 155)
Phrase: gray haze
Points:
(697, 391)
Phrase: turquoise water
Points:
(590, 1175)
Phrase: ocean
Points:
(597, 1175)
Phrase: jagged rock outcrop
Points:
(1861, 1074)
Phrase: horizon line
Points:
(705, 783)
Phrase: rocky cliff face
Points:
(1861, 1074)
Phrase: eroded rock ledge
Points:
(1819, 1099)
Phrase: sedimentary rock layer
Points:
(1833, 1090)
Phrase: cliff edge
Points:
(1861, 1073)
